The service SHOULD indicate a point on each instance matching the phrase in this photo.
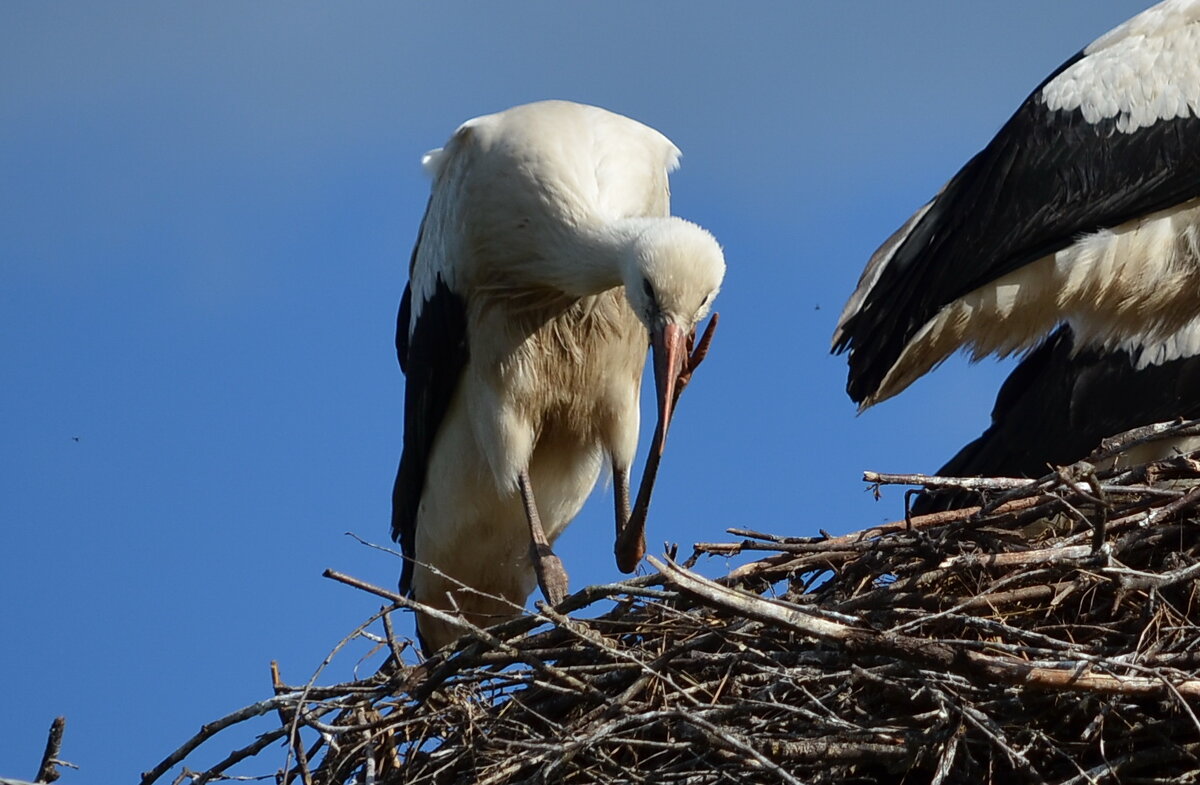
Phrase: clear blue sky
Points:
(205, 221)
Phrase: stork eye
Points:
(649, 290)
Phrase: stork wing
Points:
(1056, 407)
(404, 315)
(1110, 136)
(431, 343)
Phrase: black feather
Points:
(433, 357)
(1055, 408)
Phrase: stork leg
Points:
(621, 497)
(551, 576)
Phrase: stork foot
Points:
(551, 575)
(696, 354)
(631, 547)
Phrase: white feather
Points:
(1142, 72)
(1134, 285)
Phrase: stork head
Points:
(672, 271)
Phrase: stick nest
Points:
(1048, 635)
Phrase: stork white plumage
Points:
(546, 254)
(1082, 209)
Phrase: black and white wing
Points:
(432, 347)
(1059, 403)
(1110, 137)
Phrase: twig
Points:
(476, 632)
(48, 770)
(210, 729)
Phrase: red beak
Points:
(670, 352)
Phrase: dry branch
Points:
(48, 770)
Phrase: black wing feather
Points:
(432, 357)
(1055, 408)
(1047, 178)
(404, 316)
(403, 320)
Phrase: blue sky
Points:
(205, 222)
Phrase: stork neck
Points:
(601, 256)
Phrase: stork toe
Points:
(551, 575)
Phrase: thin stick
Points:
(48, 770)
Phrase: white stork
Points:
(1061, 401)
(1082, 209)
(546, 255)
